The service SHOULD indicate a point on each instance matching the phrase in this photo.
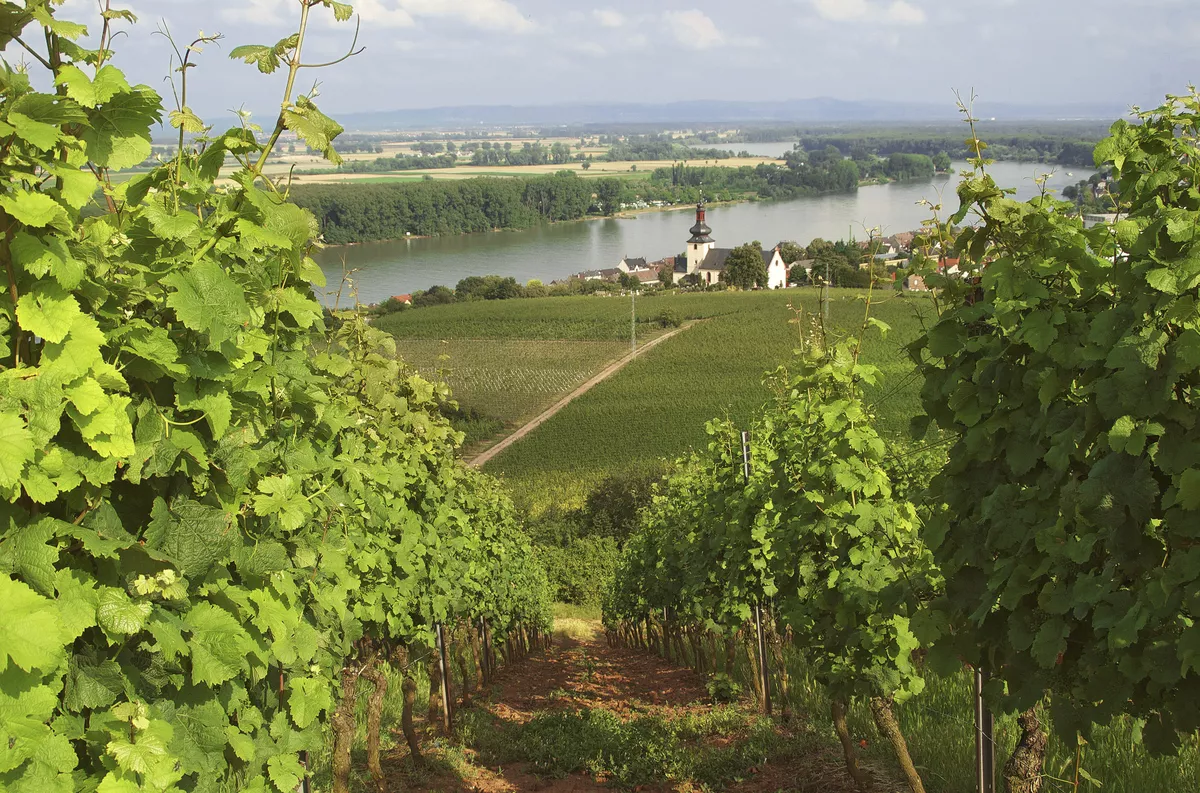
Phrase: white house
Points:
(704, 258)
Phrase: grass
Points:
(503, 383)
(629, 754)
(580, 623)
(657, 406)
(940, 730)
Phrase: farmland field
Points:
(657, 406)
(508, 381)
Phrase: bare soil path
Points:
(578, 674)
(482, 458)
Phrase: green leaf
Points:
(119, 135)
(35, 210)
(170, 225)
(341, 11)
(40, 134)
(219, 644)
(1119, 435)
(120, 615)
(313, 127)
(308, 697)
(281, 495)
(207, 300)
(285, 772)
(186, 120)
(1189, 489)
(1164, 280)
(49, 311)
(88, 92)
(31, 633)
(213, 401)
(193, 536)
(26, 552)
(265, 58)
(16, 448)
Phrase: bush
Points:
(669, 318)
(723, 689)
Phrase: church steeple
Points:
(700, 231)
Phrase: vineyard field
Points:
(657, 406)
(502, 383)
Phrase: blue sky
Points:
(425, 53)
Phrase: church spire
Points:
(700, 231)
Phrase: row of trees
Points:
(1053, 546)
(220, 507)
(358, 212)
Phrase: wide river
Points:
(555, 251)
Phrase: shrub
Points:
(669, 318)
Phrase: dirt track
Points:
(589, 674)
(481, 459)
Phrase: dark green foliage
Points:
(745, 267)
(669, 318)
(1067, 376)
(362, 212)
(580, 570)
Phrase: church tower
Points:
(700, 243)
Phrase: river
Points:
(554, 251)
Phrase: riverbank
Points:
(551, 251)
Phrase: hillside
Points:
(656, 407)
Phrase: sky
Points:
(432, 53)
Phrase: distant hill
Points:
(823, 109)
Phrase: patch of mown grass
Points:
(641, 751)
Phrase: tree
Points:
(941, 161)
(791, 253)
(745, 267)
(666, 274)
(608, 194)
(586, 165)
(433, 296)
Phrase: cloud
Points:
(694, 29)
(609, 18)
(486, 14)
(377, 13)
(898, 11)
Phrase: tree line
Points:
(358, 213)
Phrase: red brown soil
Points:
(589, 674)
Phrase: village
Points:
(703, 264)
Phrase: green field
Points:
(507, 382)
(657, 406)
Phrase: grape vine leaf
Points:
(31, 632)
(118, 614)
(16, 448)
(219, 644)
(35, 210)
(48, 311)
(192, 535)
(207, 300)
(308, 697)
(88, 92)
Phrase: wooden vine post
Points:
(985, 748)
(764, 670)
(444, 667)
